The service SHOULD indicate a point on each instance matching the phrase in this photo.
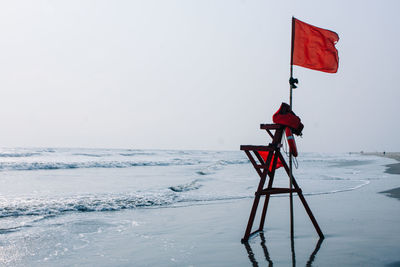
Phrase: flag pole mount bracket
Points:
(293, 82)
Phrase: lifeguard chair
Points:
(265, 160)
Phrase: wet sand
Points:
(395, 167)
(391, 169)
(361, 228)
(395, 192)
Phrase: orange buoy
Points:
(291, 141)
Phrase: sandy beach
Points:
(361, 228)
(392, 168)
(200, 222)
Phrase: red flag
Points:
(314, 48)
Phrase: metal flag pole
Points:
(292, 83)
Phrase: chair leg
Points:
(251, 219)
(310, 214)
(303, 200)
(264, 212)
(267, 197)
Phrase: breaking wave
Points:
(48, 165)
(175, 195)
(89, 164)
(18, 155)
(212, 168)
(186, 187)
(91, 155)
(137, 153)
(47, 207)
(52, 207)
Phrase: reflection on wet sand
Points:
(254, 262)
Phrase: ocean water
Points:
(58, 188)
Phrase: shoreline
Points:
(395, 193)
(393, 168)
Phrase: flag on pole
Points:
(314, 48)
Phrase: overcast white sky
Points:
(193, 74)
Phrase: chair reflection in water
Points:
(265, 160)
(253, 260)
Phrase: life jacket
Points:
(285, 116)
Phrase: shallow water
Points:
(54, 202)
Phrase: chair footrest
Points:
(277, 190)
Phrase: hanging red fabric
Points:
(264, 155)
(314, 47)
